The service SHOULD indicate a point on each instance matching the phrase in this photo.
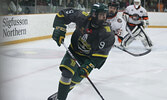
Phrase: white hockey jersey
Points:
(135, 15)
(117, 25)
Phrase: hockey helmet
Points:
(112, 12)
(114, 4)
(99, 7)
(95, 10)
(137, 3)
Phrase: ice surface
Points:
(29, 71)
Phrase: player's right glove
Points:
(86, 68)
(59, 34)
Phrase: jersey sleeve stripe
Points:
(100, 55)
(60, 15)
(145, 17)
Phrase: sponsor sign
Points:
(13, 27)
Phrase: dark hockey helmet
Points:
(95, 10)
(98, 7)
(114, 4)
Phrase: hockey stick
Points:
(80, 66)
(133, 54)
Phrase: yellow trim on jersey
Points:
(68, 68)
(64, 83)
(107, 28)
(100, 55)
(80, 54)
(85, 13)
(60, 15)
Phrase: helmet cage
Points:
(137, 3)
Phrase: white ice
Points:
(30, 71)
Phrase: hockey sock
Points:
(63, 91)
(71, 86)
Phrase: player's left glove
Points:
(59, 34)
(86, 68)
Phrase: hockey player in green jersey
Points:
(90, 45)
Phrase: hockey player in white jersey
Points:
(137, 19)
(117, 22)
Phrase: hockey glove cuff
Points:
(59, 34)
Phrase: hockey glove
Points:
(144, 23)
(86, 68)
(59, 34)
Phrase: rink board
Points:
(24, 28)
